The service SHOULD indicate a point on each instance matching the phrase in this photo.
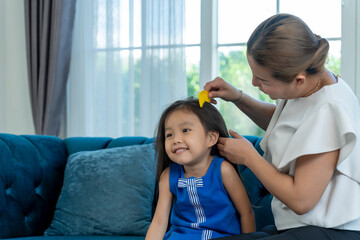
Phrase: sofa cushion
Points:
(106, 192)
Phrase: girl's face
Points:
(186, 141)
(263, 79)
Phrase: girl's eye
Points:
(168, 135)
(186, 130)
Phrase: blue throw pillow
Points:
(106, 192)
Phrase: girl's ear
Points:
(213, 138)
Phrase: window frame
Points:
(350, 44)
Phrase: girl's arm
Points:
(259, 112)
(238, 196)
(300, 192)
(160, 220)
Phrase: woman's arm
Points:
(238, 196)
(160, 220)
(259, 112)
(300, 192)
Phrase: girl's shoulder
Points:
(165, 175)
(227, 169)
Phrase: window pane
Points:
(137, 23)
(112, 66)
(193, 70)
(334, 57)
(100, 22)
(326, 23)
(192, 24)
(112, 29)
(237, 19)
(136, 75)
(235, 69)
(120, 24)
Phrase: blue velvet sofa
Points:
(32, 174)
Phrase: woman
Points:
(311, 163)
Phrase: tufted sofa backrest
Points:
(31, 175)
(77, 144)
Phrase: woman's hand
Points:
(222, 89)
(237, 149)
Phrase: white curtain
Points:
(128, 65)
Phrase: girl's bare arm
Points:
(238, 196)
(160, 220)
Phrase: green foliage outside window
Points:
(193, 75)
(235, 70)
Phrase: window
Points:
(144, 54)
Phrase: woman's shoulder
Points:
(340, 101)
(341, 93)
(334, 99)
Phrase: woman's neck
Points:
(324, 79)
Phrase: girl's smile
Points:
(180, 150)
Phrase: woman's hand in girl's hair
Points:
(219, 88)
(236, 149)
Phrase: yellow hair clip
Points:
(203, 97)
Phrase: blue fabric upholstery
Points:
(31, 177)
(31, 174)
(77, 144)
(106, 192)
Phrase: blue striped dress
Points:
(202, 208)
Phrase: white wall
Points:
(15, 108)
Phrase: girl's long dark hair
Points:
(209, 116)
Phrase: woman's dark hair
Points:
(209, 116)
(286, 46)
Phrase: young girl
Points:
(207, 197)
